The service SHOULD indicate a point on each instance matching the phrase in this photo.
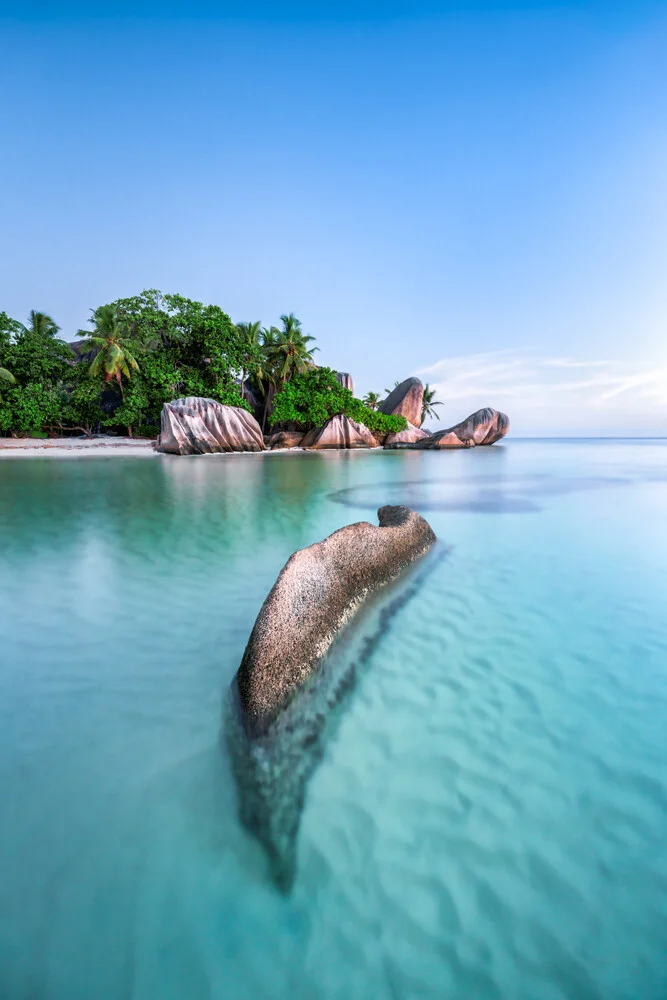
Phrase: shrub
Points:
(313, 397)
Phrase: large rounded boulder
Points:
(339, 432)
(198, 426)
(483, 427)
(284, 439)
(405, 401)
(315, 594)
(407, 436)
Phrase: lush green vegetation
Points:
(36, 366)
(314, 395)
(143, 351)
(139, 353)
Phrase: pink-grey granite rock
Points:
(285, 439)
(483, 427)
(315, 594)
(339, 432)
(408, 436)
(346, 381)
(198, 426)
(405, 401)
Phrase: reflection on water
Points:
(483, 814)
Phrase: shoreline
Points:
(75, 447)
(130, 448)
(145, 447)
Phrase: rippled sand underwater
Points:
(488, 818)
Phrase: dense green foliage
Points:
(184, 348)
(311, 397)
(140, 353)
(38, 363)
(146, 350)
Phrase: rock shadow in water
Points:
(272, 769)
(509, 494)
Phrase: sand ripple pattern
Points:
(488, 819)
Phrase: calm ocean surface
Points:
(489, 819)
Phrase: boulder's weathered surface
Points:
(285, 439)
(315, 594)
(339, 432)
(408, 436)
(406, 401)
(483, 427)
(198, 426)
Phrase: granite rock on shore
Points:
(198, 426)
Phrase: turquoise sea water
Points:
(489, 818)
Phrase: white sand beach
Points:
(76, 447)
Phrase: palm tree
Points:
(289, 349)
(429, 402)
(41, 325)
(6, 376)
(372, 400)
(114, 347)
(250, 335)
(267, 374)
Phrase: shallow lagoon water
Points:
(489, 818)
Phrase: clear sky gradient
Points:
(473, 192)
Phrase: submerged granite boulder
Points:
(408, 436)
(483, 427)
(315, 594)
(198, 426)
(339, 432)
(284, 439)
(405, 401)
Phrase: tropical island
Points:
(165, 367)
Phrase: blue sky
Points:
(475, 193)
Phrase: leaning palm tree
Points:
(6, 376)
(250, 335)
(40, 324)
(289, 351)
(429, 402)
(114, 357)
(372, 400)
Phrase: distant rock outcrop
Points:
(198, 426)
(339, 432)
(345, 380)
(408, 436)
(315, 594)
(82, 350)
(285, 439)
(406, 401)
(483, 427)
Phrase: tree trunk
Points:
(129, 431)
(268, 397)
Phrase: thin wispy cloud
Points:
(554, 395)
